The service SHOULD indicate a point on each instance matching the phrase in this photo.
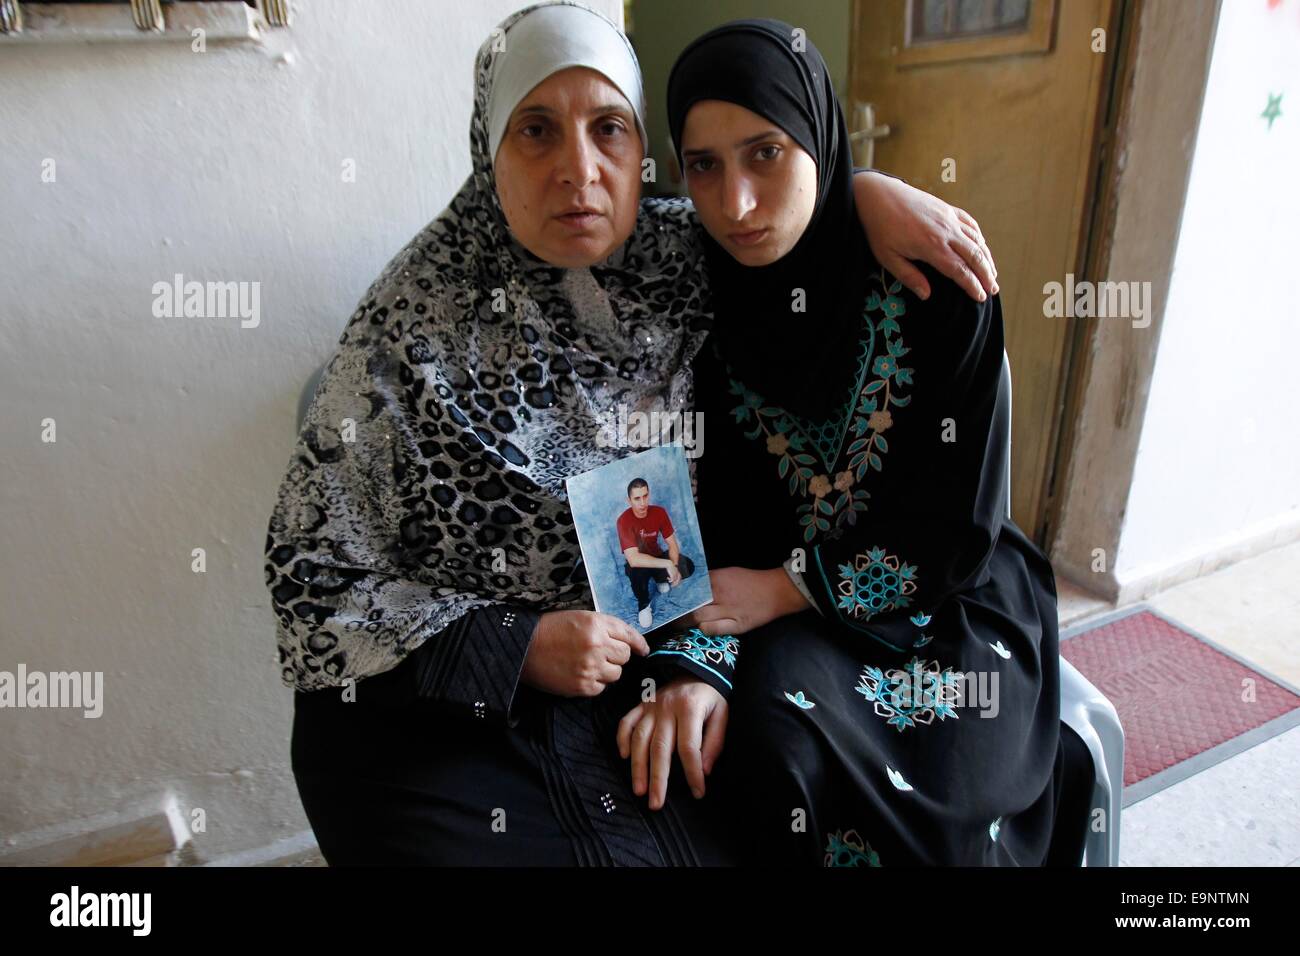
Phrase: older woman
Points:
(454, 701)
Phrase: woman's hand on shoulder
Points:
(687, 715)
(579, 653)
(903, 223)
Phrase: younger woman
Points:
(895, 691)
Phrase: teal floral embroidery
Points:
(705, 648)
(885, 366)
(912, 695)
(875, 582)
(809, 452)
(799, 700)
(897, 780)
(921, 619)
(849, 849)
(891, 305)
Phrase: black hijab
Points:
(802, 362)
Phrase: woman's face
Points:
(753, 186)
(568, 169)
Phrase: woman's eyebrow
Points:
(537, 109)
(610, 108)
(747, 141)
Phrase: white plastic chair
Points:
(1089, 714)
(308, 393)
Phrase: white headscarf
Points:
(552, 37)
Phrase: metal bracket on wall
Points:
(221, 19)
(11, 17)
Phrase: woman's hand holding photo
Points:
(579, 653)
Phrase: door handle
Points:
(866, 132)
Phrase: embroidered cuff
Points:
(801, 584)
(712, 659)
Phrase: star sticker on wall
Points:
(1273, 110)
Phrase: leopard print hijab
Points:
(428, 477)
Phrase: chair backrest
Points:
(308, 393)
(1006, 381)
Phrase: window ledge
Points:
(112, 23)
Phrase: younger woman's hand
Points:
(744, 600)
(688, 715)
(903, 222)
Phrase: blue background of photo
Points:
(598, 497)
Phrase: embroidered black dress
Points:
(912, 717)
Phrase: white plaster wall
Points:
(1219, 458)
(173, 434)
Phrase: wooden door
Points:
(993, 106)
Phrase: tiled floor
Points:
(1244, 811)
(1252, 608)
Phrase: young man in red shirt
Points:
(639, 530)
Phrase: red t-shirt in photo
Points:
(643, 533)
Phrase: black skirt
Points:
(394, 778)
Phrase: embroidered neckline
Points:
(865, 415)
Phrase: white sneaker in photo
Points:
(663, 587)
(646, 616)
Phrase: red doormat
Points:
(1184, 702)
